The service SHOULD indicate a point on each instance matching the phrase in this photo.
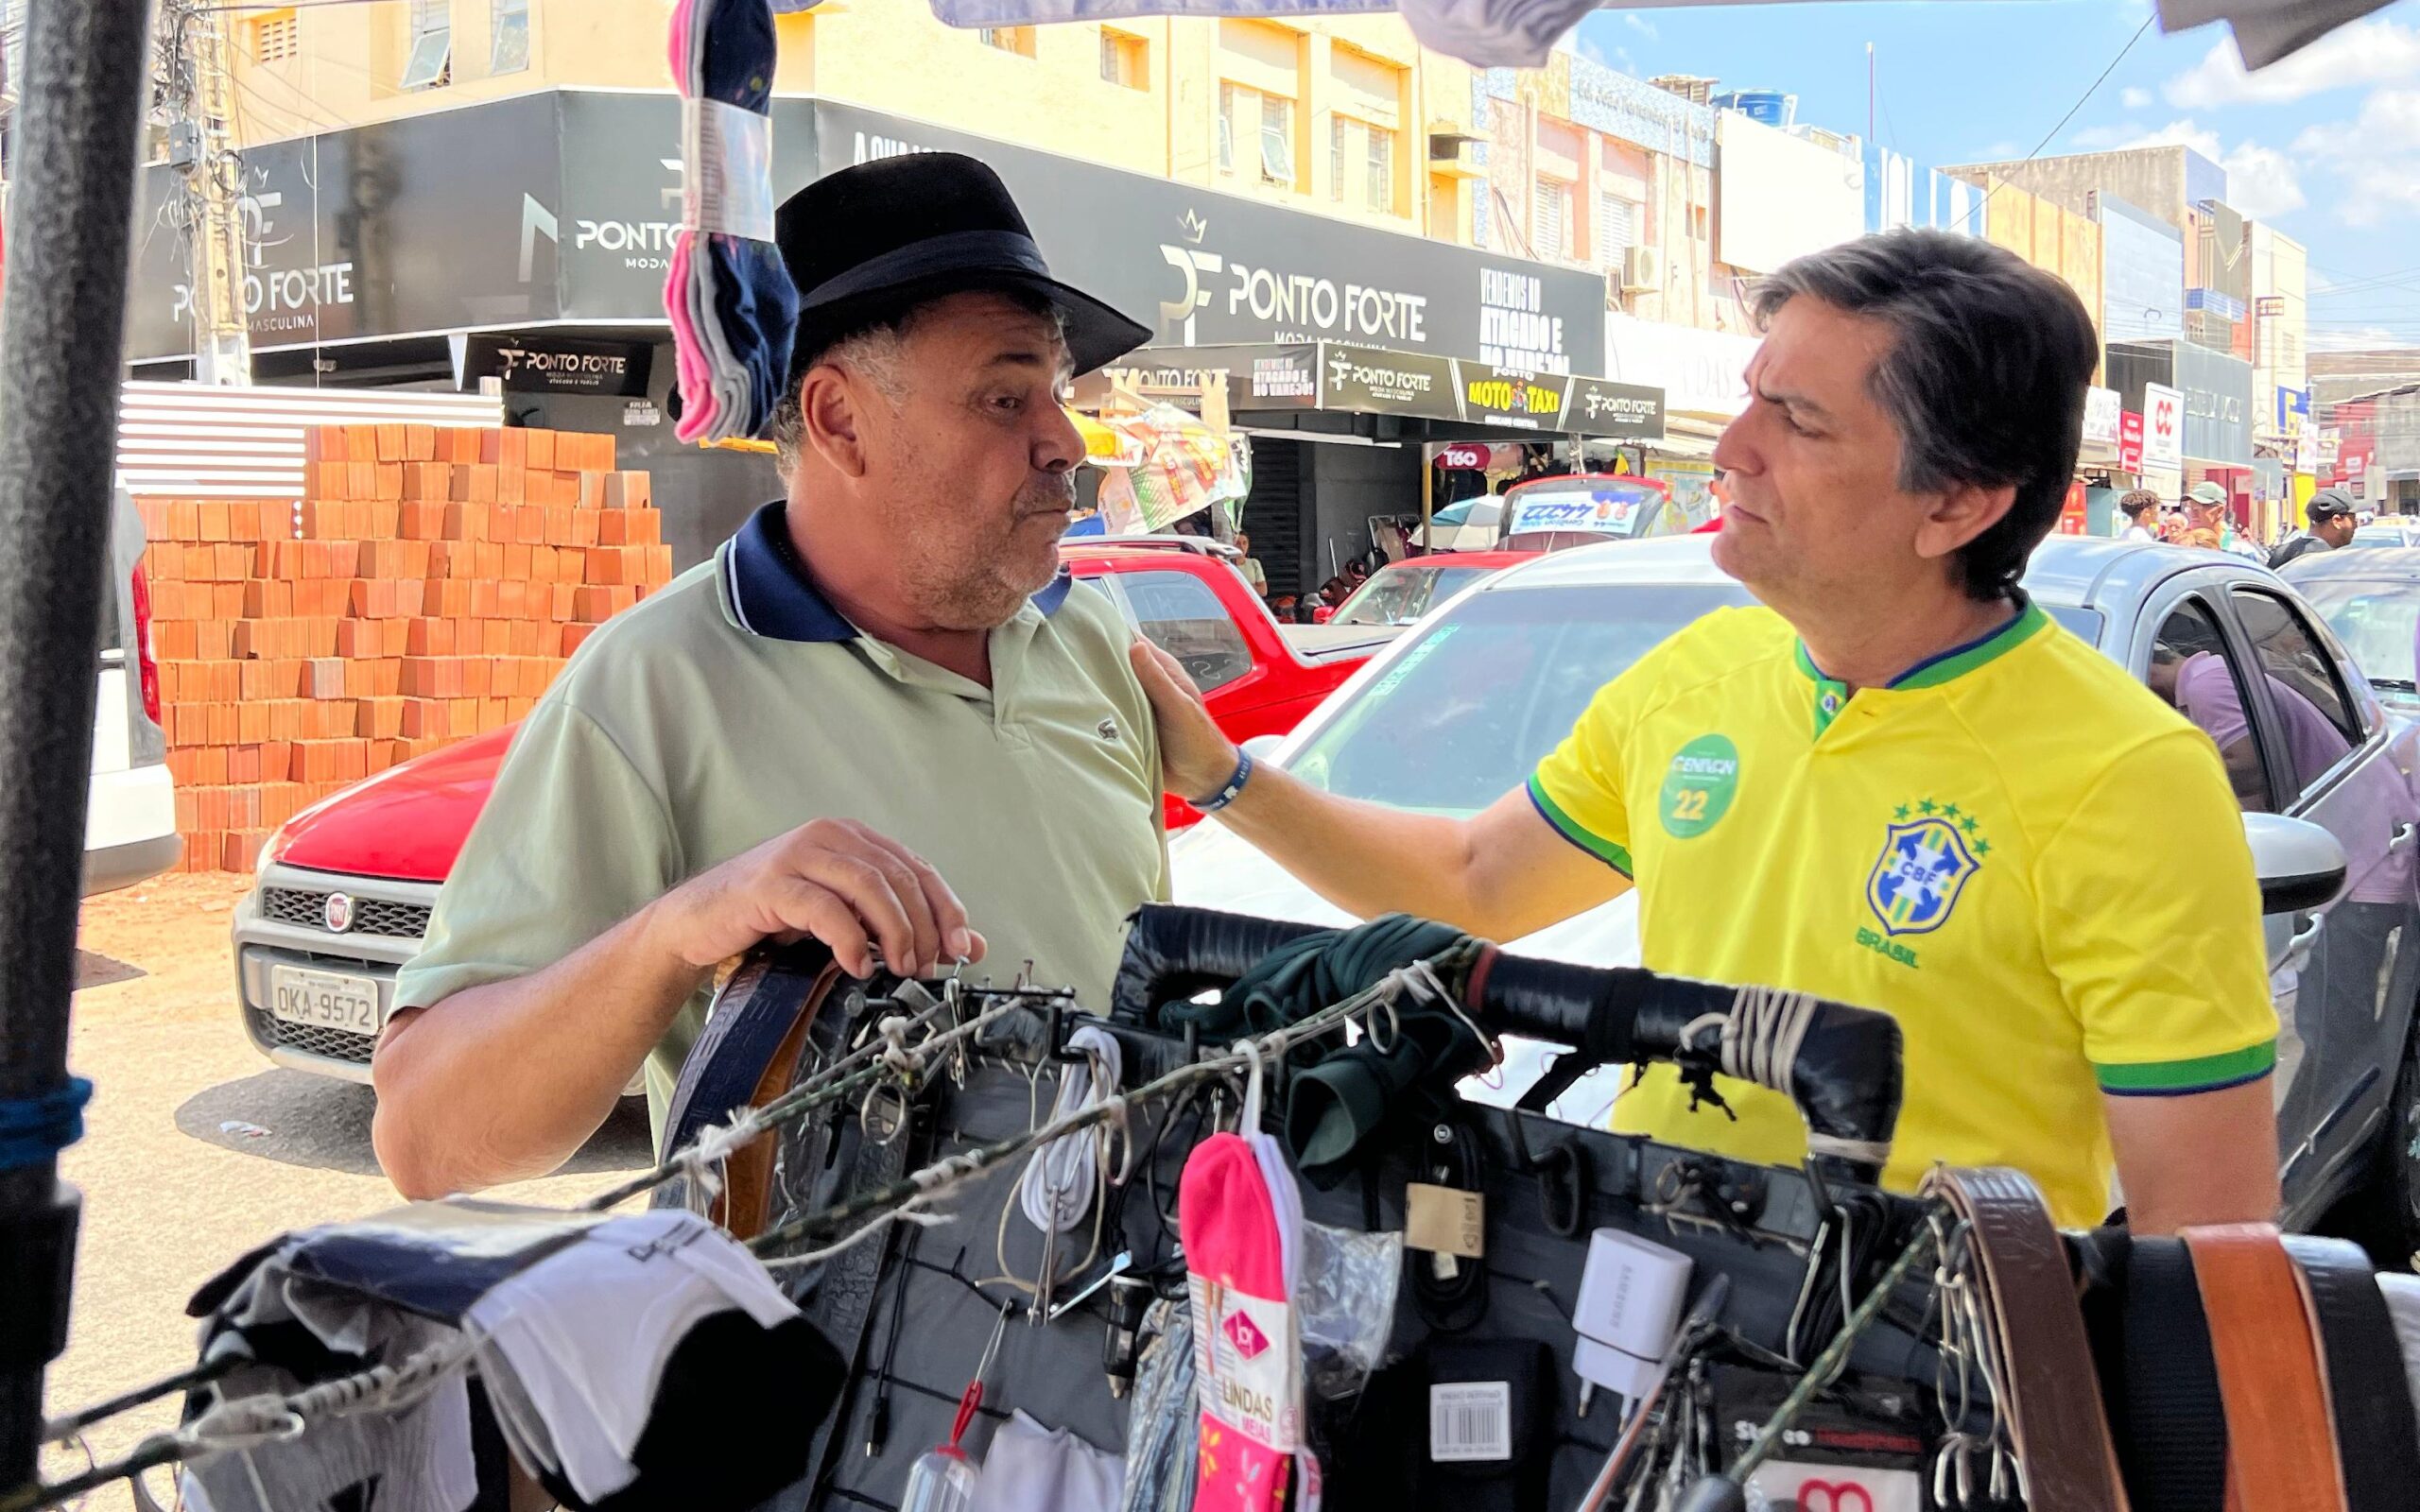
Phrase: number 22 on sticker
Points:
(1690, 804)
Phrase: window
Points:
(1226, 129)
(1339, 137)
(2375, 620)
(1125, 61)
(1616, 227)
(1382, 170)
(508, 25)
(2314, 712)
(1182, 616)
(1552, 233)
(1277, 140)
(274, 38)
(429, 62)
(1017, 40)
(2194, 668)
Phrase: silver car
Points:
(1457, 712)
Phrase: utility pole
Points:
(199, 91)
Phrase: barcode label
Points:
(1470, 1420)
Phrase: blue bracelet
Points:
(33, 1130)
(1234, 786)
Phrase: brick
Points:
(324, 677)
(419, 443)
(511, 483)
(424, 719)
(478, 674)
(512, 447)
(592, 604)
(390, 443)
(574, 635)
(251, 726)
(541, 448)
(323, 443)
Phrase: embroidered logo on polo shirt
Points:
(1106, 730)
(1930, 851)
(1699, 786)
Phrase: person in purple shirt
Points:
(2346, 963)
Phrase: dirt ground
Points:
(196, 1149)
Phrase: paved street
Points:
(197, 1148)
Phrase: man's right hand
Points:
(835, 880)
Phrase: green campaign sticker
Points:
(1698, 784)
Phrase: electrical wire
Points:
(2089, 91)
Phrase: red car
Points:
(344, 889)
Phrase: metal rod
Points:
(62, 337)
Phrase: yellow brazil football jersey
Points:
(2016, 850)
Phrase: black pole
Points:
(62, 335)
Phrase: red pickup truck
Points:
(345, 889)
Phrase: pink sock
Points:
(1246, 1354)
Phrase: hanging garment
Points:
(1162, 1436)
(1246, 1360)
(1033, 1468)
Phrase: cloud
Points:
(2262, 181)
(2360, 338)
(2134, 99)
(2377, 153)
(2366, 52)
(2104, 138)
(1639, 23)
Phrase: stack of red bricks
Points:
(426, 589)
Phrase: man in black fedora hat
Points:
(882, 680)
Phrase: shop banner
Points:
(1371, 382)
(548, 365)
(2162, 428)
(2130, 441)
(2101, 409)
(2218, 405)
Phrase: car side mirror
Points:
(2300, 865)
(1261, 748)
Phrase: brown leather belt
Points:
(2281, 1438)
(2051, 1404)
(745, 1205)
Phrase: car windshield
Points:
(1461, 717)
(2376, 618)
(1404, 593)
(2380, 535)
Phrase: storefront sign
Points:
(1704, 372)
(2130, 441)
(2101, 409)
(2294, 410)
(563, 206)
(1357, 378)
(554, 365)
(2163, 427)
(1472, 458)
(1630, 411)
(1513, 398)
(2142, 272)
(2218, 405)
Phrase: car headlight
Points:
(271, 852)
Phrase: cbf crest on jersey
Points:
(1924, 866)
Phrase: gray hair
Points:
(877, 354)
(1985, 377)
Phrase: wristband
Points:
(1234, 786)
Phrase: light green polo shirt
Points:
(737, 705)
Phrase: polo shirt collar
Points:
(771, 594)
(1831, 695)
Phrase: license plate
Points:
(323, 999)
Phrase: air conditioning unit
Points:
(1642, 270)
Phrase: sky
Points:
(2324, 145)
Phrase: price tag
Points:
(1445, 1221)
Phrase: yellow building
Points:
(1347, 117)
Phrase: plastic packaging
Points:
(942, 1480)
(1346, 1297)
(1160, 1441)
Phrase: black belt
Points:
(2368, 1393)
(2174, 1442)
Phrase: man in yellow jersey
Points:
(1898, 785)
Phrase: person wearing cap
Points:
(1895, 783)
(2207, 524)
(882, 716)
(2331, 528)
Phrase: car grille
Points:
(370, 916)
(337, 1044)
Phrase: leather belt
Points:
(2281, 1442)
(2053, 1411)
(2375, 1437)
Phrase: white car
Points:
(1460, 708)
(130, 813)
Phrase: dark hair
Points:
(1985, 377)
(2135, 503)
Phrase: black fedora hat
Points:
(871, 241)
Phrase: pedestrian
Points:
(884, 680)
(2331, 528)
(2141, 508)
(1897, 782)
(1249, 566)
(2207, 524)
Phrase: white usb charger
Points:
(1630, 1306)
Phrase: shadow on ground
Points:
(92, 969)
(299, 1119)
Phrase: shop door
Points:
(1273, 514)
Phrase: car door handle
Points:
(2402, 836)
(2298, 949)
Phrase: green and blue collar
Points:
(1832, 696)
